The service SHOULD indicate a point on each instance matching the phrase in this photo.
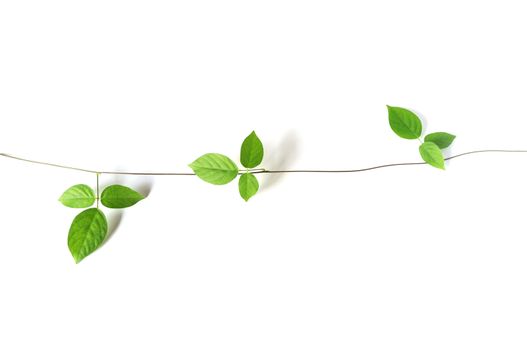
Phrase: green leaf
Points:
(252, 151)
(87, 232)
(431, 154)
(78, 196)
(404, 123)
(441, 139)
(117, 196)
(215, 168)
(248, 186)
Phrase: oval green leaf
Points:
(117, 196)
(215, 168)
(431, 154)
(252, 151)
(441, 139)
(87, 232)
(248, 186)
(404, 123)
(78, 196)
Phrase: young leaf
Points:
(431, 154)
(215, 168)
(441, 139)
(87, 232)
(404, 123)
(117, 196)
(78, 196)
(252, 151)
(248, 186)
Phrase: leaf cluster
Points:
(407, 125)
(219, 169)
(90, 228)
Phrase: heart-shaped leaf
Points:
(248, 186)
(215, 168)
(117, 196)
(404, 123)
(431, 154)
(252, 151)
(78, 196)
(87, 232)
(441, 139)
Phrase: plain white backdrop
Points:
(400, 258)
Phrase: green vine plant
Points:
(407, 125)
(89, 228)
(218, 169)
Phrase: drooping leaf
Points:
(87, 232)
(252, 151)
(78, 196)
(404, 123)
(215, 168)
(441, 139)
(431, 154)
(248, 186)
(117, 196)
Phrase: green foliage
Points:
(405, 123)
(248, 186)
(89, 228)
(87, 232)
(441, 139)
(215, 168)
(117, 196)
(431, 154)
(218, 169)
(252, 151)
(78, 196)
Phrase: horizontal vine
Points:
(261, 171)
(89, 228)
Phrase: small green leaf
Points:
(248, 186)
(441, 139)
(117, 196)
(252, 151)
(404, 123)
(87, 232)
(78, 196)
(431, 154)
(215, 168)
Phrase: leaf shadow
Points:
(281, 156)
(114, 221)
(424, 120)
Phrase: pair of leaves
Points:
(89, 228)
(406, 124)
(114, 196)
(218, 169)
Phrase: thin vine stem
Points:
(257, 171)
(98, 196)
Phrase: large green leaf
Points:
(248, 186)
(117, 196)
(405, 123)
(431, 154)
(441, 139)
(87, 232)
(215, 168)
(252, 151)
(78, 196)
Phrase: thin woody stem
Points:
(98, 196)
(257, 171)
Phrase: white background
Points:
(399, 258)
